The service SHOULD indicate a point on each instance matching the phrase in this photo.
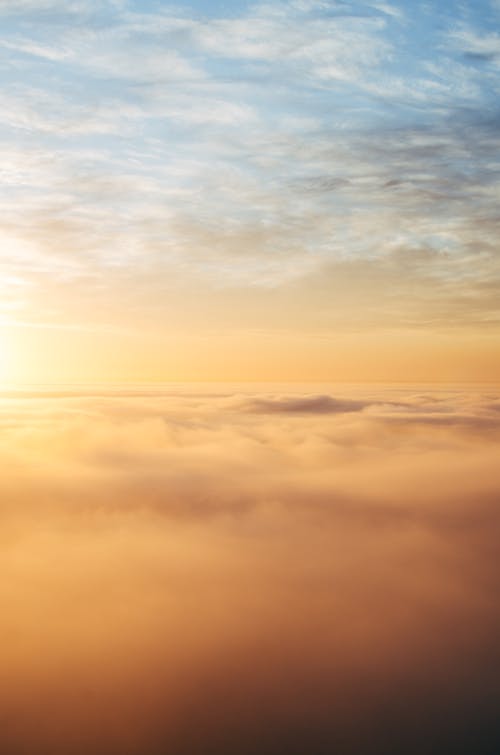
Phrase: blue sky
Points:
(249, 145)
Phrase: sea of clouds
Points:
(241, 570)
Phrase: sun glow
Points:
(6, 360)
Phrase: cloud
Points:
(303, 405)
(185, 574)
(251, 149)
(167, 168)
(481, 46)
(21, 7)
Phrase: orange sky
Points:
(65, 355)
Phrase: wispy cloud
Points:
(481, 46)
(261, 147)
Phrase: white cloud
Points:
(32, 48)
(483, 45)
(19, 7)
(254, 148)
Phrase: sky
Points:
(297, 203)
(302, 190)
(245, 569)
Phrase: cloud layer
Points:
(243, 571)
